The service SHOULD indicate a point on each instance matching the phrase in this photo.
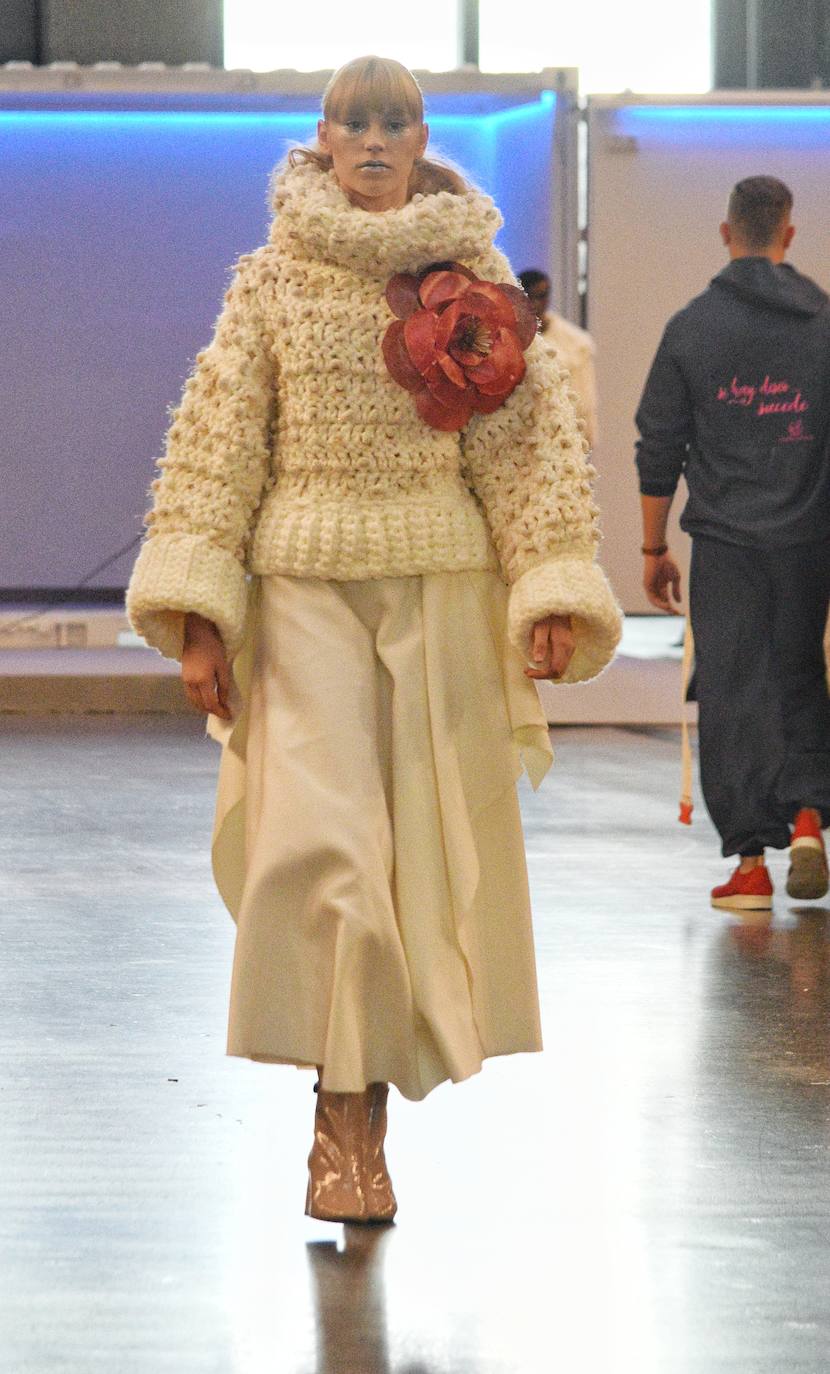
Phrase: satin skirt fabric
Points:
(367, 838)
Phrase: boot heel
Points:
(381, 1198)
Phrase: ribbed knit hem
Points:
(568, 586)
(350, 542)
(176, 573)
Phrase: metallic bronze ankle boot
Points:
(381, 1199)
(337, 1163)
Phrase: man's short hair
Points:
(757, 208)
(533, 277)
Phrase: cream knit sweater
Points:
(293, 450)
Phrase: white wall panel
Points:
(660, 175)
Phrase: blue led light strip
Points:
(133, 119)
(778, 114)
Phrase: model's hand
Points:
(206, 672)
(551, 647)
(661, 575)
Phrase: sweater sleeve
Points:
(527, 464)
(210, 485)
(666, 423)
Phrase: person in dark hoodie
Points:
(738, 402)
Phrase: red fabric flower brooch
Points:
(458, 342)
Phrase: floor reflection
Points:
(782, 982)
(650, 1196)
(349, 1304)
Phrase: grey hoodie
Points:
(738, 401)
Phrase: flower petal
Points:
(504, 368)
(439, 288)
(451, 370)
(419, 333)
(485, 405)
(526, 322)
(501, 308)
(444, 390)
(447, 321)
(466, 358)
(439, 416)
(397, 359)
(504, 386)
(402, 295)
(449, 267)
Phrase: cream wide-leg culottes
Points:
(367, 838)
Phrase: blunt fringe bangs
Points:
(374, 85)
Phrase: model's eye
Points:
(396, 126)
(354, 126)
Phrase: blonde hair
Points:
(379, 84)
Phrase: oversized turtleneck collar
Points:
(315, 218)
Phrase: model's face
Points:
(373, 155)
(539, 295)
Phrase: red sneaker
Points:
(750, 891)
(808, 875)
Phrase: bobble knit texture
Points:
(293, 451)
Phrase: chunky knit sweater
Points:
(294, 451)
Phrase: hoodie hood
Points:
(314, 218)
(772, 286)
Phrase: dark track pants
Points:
(758, 617)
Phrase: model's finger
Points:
(562, 655)
(216, 706)
(206, 692)
(220, 709)
(541, 667)
(194, 696)
(558, 658)
(541, 639)
(223, 684)
(207, 696)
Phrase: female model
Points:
(375, 505)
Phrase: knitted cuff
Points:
(568, 586)
(176, 573)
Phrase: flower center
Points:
(474, 336)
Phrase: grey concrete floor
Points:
(652, 1194)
